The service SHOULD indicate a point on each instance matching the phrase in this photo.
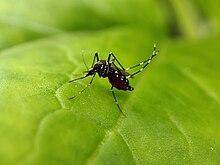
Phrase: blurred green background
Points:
(173, 113)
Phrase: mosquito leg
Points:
(83, 88)
(78, 78)
(114, 58)
(96, 57)
(116, 67)
(117, 102)
(146, 61)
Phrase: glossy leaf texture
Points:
(172, 116)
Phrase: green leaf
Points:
(172, 116)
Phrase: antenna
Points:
(84, 60)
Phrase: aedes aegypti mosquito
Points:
(118, 77)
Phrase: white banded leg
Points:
(146, 62)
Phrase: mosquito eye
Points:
(90, 71)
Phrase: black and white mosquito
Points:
(117, 76)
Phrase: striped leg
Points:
(146, 62)
(117, 102)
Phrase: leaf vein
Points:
(107, 135)
(185, 135)
(133, 156)
(210, 92)
(44, 119)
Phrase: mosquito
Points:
(117, 76)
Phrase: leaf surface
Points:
(172, 116)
